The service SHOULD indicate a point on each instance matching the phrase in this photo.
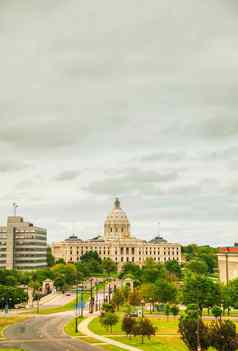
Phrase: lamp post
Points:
(142, 308)
(76, 308)
(91, 296)
(38, 301)
(81, 300)
(150, 305)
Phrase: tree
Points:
(90, 255)
(167, 310)
(198, 266)
(201, 290)
(118, 298)
(222, 335)
(50, 257)
(143, 327)
(205, 253)
(131, 269)
(135, 298)
(149, 293)
(233, 291)
(166, 291)
(109, 266)
(107, 307)
(216, 311)
(173, 267)
(151, 271)
(67, 271)
(226, 298)
(109, 319)
(193, 331)
(174, 310)
(128, 324)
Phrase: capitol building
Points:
(117, 243)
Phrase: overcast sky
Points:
(131, 98)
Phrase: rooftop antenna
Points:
(14, 209)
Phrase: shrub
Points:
(128, 324)
(222, 335)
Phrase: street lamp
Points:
(76, 308)
(91, 296)
(142, 308)
(150, 304)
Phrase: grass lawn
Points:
(164, 327)
(167, 338)
(7, 321)
(97, 327)
(110, 348)
(11, 349)
(155, 344)
(69, 327)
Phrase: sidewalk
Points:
(83, 328)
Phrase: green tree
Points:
(173, 267)
(216, 311)
(152, 271)
(107, 307)
(90, 255)
(174, 310)
(118, 298)
(109, 266)
(50, 257)
(131, 269)
(198, 266)
(233, 291)
(201, 290)
(143, 327)
(167, 310)
(109, 319)
(226, 298)
(149, 292)
(166, 291)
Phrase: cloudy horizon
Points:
(130, 99)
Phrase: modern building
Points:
(228, 263)
(117, 243)
(22, 245)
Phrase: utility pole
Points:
(91, 295)
(76, 307)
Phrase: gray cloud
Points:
(133, 181)
(12, 166)
(67, 175)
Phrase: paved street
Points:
(44, 334)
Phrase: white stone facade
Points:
(117, 244)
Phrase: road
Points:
(45, 333)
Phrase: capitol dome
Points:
(117, 226)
